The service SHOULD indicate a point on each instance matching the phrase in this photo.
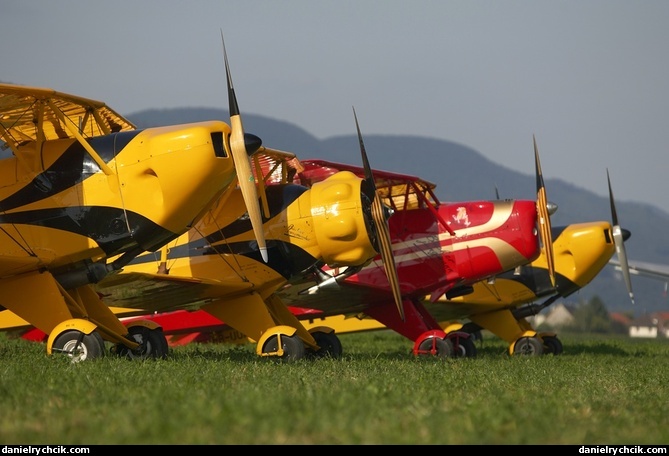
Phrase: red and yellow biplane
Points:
(501, 305)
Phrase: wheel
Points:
(293, 347)
(101, 341)
(530, 346)
(79, 346)
(152, 344)
(463, 347)
(329, 343)
(436, 346)
(552, 345)
(164, 346)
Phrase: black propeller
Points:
(381, 222)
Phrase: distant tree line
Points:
(593, 317)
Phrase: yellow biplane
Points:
(79, 184)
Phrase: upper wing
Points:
(399, 191)
(653, 270)
(34, 115)
(271, 166)
(39, 114)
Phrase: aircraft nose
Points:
(626, 234)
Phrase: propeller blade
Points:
(243, 165)
(619, 238)
(381, 223)
(544, 216)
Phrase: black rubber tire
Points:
(463, 347)
(552, 345)
(293, 347)
(153, 344)
(79, 346)
(164, 346)
(329, 343)
(528, 346)
(435, 346)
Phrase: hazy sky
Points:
(589, 78)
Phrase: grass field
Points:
(601, 390)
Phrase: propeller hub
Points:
(551, 207)
(252, 143)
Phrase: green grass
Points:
(601, 390)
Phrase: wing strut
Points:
(75, 132)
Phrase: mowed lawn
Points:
(601, 390)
